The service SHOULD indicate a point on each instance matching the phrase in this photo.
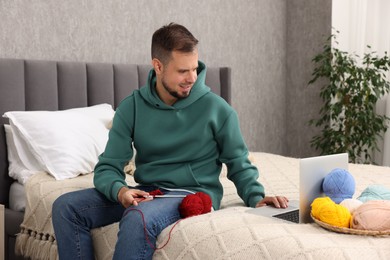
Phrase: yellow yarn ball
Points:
(325, 210)
(318, 204)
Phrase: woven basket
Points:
(350, 230)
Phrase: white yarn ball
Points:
(351, 204)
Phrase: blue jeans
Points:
(74, 214)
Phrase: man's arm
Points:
(241, 171)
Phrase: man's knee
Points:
(61, 207)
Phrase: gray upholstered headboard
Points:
(56, 85)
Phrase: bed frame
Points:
(56, 85)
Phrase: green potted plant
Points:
(347, 118)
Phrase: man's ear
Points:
(157, 65)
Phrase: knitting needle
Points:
(164, 196)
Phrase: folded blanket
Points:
(36, 238)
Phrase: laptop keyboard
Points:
(292, 216)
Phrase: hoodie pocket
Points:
(170, 176)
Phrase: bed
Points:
(229, 233)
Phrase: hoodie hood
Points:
(199, 89)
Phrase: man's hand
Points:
(128, 197)
(277, 202)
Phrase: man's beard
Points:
(173, 93)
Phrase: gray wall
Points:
(309, 23)
(268, 44)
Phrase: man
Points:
(182, 133)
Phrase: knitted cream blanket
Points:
(36, 238)
(229, 233)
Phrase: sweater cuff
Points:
(115, 189)
(254, 200)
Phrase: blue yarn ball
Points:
(339, 185)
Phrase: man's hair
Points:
(172, 37)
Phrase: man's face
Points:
(177, 77)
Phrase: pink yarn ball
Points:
(372, 215)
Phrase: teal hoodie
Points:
(179, 146)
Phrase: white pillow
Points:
(65, 143)
(16, 168)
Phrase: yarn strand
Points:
(192, 205)
(146, 232)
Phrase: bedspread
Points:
(229, 233)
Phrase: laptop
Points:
(312, 171)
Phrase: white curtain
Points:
(362, 23)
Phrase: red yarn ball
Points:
(207, 203)
(195, 204)
(156, 192)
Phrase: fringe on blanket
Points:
(35, 245)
